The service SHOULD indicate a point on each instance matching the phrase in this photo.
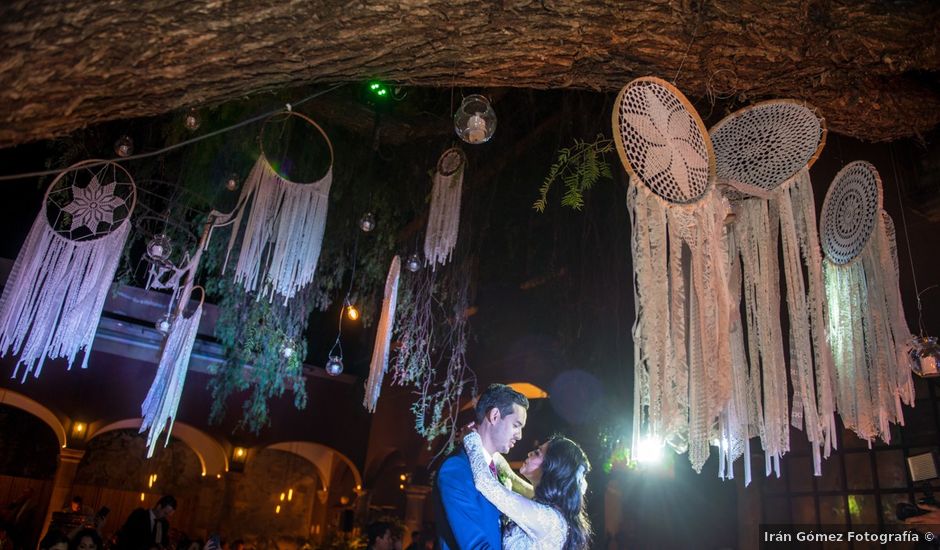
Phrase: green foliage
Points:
(579, 167)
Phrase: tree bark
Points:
(869, 66)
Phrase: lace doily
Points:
(767, 143)
(450, 161)
(662, 141)
(90, 200)
(849, 212)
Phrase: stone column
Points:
(62, 483)
(415, 495)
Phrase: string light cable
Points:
(252, 120)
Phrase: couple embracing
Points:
(543, 509)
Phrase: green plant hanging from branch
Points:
(579, 167)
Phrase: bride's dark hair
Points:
(564, 466)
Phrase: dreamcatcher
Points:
(55, 293)
(867, 330)
(284, 231)
(763, 154)
(682, 375)
(444, 218)
(383, 337)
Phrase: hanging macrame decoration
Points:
(444, 218)
(284, 231)
(55, 293)
(383, 337)
(159, 408)
(683, 309)
(867, 330)
(763, 154)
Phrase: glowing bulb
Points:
(218, 476)
(283, 496)
(288, 350)
(402, 486)
(413, 263)
(164, 324)
(142, 497)
(334, 366)
(277, 509)
(367, 222)
(352, 312)
(649, 450)
(232, 183)
(79, 427)
(239, 452)
(402, 477)
(290, 495)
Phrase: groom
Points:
(466, 520)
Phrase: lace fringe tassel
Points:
(383, 337)
(444, 218)
(868, 335)
(159, 408)
(53, 298)
(284, 232)
(683, 378)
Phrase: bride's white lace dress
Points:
(534, 525)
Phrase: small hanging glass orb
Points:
(191, 120)
(124, 146)
(287, 350)
(367, 222)
(475, 120)
(925, 356)
(159, 248)
(413, 263)
(163, 324)
(232, 183)
(334, 366)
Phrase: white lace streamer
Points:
(283, 234)
(159, 408)
(53, 298)
(383, 337)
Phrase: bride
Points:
(551, 515)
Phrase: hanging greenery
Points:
(579, 167)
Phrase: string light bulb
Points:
(351, 312)
(124, 147)
(413, 263)
(367, 222)
(191, 120)
(334, 366)
(290, 494)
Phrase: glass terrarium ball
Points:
(413, 263)
(163, 324)
(367, 222)
(925, 356)
(159, 248)
(191, 120)
(334, 366)
(124, 146)
(475, 120)
(232, 183)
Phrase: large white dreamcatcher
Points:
(53, 298)
(867, 330)
(444, 218)
(284, 231)
(763, 154)
(682, 355)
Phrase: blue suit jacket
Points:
(465, 520)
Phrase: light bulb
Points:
(191, 120)
(334, 366)
(124, 146)
(232, 183)
(476, 129)
(367, 222)
(352, 312)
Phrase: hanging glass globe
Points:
(334, 366)
(159, 248)
(124, 146)
(287, 351)
(925, 356)
(413, 263)
(475, 120)
(163, 324)
(191, 120)
(232, 183)
(367, 222)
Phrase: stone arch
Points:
(20, 401)
(212, 456)
(321, 456)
